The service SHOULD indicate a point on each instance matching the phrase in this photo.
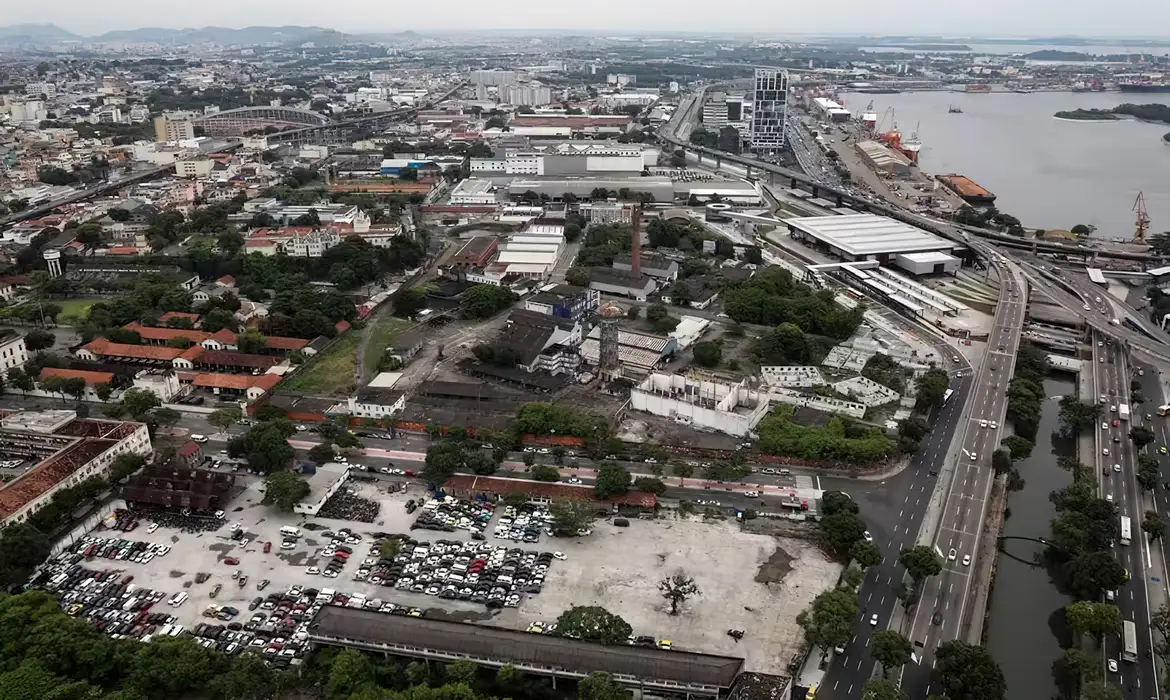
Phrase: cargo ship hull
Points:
(1144, 88)
(966, 189)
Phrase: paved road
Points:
(939, 615)
(893, 509)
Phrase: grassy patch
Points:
(331, 372)
(75, 307)
(382, 334)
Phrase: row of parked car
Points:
(94, 547)
(474, 571)
(450, 514)
(109, 599)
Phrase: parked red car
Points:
(267, 547)
(231, 561)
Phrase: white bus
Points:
(1128, 641)
(1126, 530)
(948, 394)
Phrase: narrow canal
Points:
(1027, 611)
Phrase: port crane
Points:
(1143, 219)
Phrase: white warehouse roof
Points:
(507, 257)
(868, 234)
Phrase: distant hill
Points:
(35, 32)
(247, 36)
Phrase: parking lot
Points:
(749, 582)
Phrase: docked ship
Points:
(1143, 86)
(909, 147)
(967, 189)
(978, 87)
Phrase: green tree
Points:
(1020, 447)
(571, 516)
(833, 502)
(969, 672)
(1001, 460)
(890, 649)
(852, 577)
(529, 459)
(1149, 473)
(224, 418)
(828, 621)
(612, 480)
(1141, 435)
(545, 473)
(593, 624)
(22, 549)
(1090, 574)
(322, 453)
(879, 688)
(485, 300)
(138, 403)
(284, 490)
(265, 446)
(350, 670)
(841, 530)
(649, 484)
(19, 379)
(462, 671)
(678, 588)
(707, 354)
(37, 340)
(442, 461)
(1153, 525)
(248, 678)
(865, 553)
(1097, 619)
(932, 385)
(599, 685)
(389, 548)
(1100, 690)
(250, 342)
(920, 562)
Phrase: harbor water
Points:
(1026, 609)
(1049, 173)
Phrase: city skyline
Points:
(996, 18)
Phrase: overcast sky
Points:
(1133, 18)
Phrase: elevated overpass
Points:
(334, 131)
(842, 198)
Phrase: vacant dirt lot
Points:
(619, 569)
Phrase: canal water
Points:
(1049, 173)
(1027, 611)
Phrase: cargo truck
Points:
(1123, 411)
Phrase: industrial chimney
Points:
(636, 241)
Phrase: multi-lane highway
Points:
(939, 615)
(1116, 465)
(893, 509)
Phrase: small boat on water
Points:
(954, 110)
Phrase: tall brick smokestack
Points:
(636, 241)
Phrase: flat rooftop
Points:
(522, 648)
(868, 234)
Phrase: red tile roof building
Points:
(100, 348)
(90, 378)
(161, 336)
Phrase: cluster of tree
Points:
(787, 344)
(284, 490)
(886, 371)
(603, 243)
(707, 353)
(726, 139)
(661, 233)
(143, 406)
(53, 175)
(496, 354)
(612, 480)
(265, 446)
(485, 300)
(447, 457)
(910, 433)
(658, 315)
(969, 672)
(1026, 390)
(772, 297)
(932, 387)
(539, 418)
(990, 218)
(1077, 415)
(306, 312)
(843, 530)
(1083, 532)
(840, 440)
